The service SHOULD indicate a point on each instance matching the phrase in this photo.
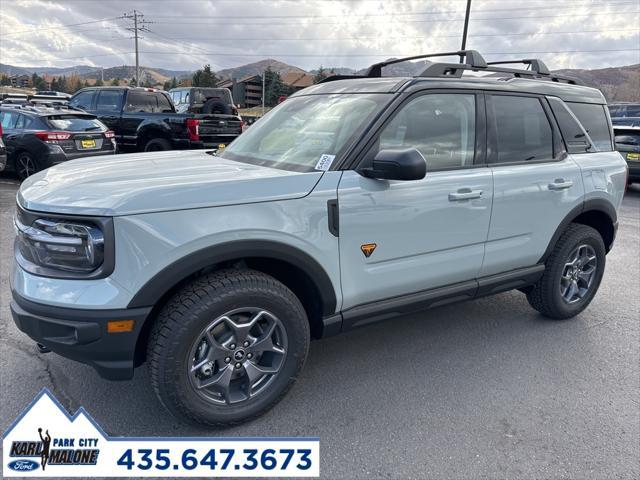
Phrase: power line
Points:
(573, 15)
(412, 37)
(358, 55)
(19, 32)
(395, 14)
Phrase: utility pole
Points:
(138, 26)
(466, 27)
(264, 76)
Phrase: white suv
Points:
(353, 201)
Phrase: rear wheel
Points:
(227, 347)
(157, 145)
(26, 165)
(572, 275)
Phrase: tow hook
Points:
(42, 348)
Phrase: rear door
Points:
(536, 183)
(83, 100)
(137, 105)
(401, 237)
(108, 109)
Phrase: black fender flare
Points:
(174, 273)
(597, 204)
(148, 128)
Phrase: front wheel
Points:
(572, 275)
(227, 347)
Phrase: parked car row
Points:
(38, 137)
(40, 131)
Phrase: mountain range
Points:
(617, 83)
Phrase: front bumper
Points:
(81, 334)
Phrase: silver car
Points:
(353, 201)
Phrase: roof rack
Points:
(473, 61)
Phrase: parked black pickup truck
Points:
(145, 119)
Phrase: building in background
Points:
(247, 92)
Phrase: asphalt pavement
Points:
(482, 389)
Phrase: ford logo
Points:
(23, 465)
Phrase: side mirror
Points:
(401, 164)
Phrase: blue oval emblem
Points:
(23, 465)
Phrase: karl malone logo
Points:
(62, 453)
(64, 441)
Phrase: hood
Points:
(156, 182)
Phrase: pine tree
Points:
(204, 77)
(320, 75)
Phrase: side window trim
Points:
(557, 151)
(480, 126)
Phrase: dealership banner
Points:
(45, 441)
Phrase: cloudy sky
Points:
(185, 34)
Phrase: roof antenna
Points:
(466, 28)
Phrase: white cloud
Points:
(186, 34)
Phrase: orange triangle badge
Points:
(368, 249)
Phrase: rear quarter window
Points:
(593, 118)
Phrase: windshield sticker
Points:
(325, 162)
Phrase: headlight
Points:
(55, 246)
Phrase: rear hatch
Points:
(80, 134)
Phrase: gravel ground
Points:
(483, 389)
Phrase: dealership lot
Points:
(481, 389)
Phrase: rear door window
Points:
(109, 101)
(523, 131)
(82, 100)
(593, 118)
(163, 103)
(23, 122)
(140, 102)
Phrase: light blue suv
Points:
(355, 200)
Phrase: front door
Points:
(401, 237)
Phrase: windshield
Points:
(306, 133)
(76, 123)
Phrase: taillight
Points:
(109, 134)
(0, 129)
(53, 136)
(193, 128)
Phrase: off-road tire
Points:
(545, 295)
(157, 145)
(190, 310)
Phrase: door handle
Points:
(560, 184)
(464, 194)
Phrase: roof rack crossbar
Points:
(473, 62)
(535, 65)
(472, 58)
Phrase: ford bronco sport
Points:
(355, 200)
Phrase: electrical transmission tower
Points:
(139, 25)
